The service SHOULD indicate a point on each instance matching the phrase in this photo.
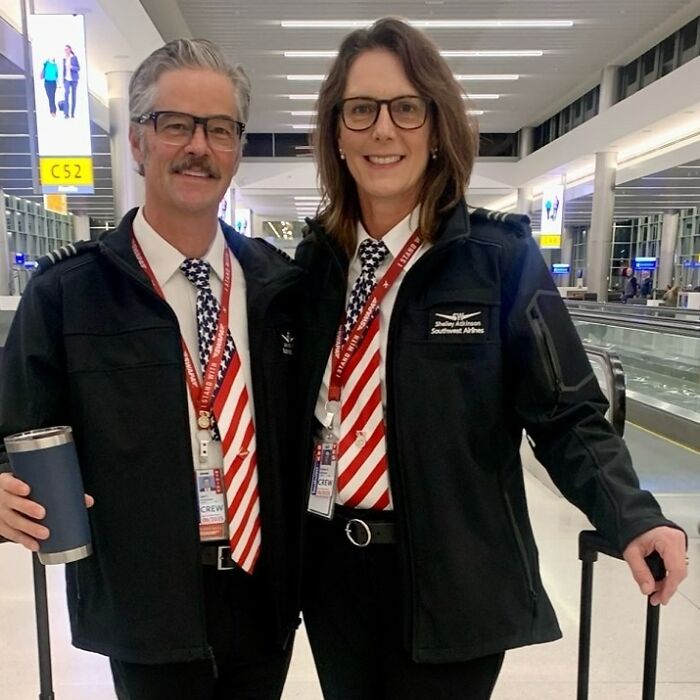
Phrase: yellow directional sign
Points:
(71, 175)
(550, 240)
(56, 202)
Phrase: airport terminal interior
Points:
(589, 118)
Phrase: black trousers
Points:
(249, 666)
(353, 615)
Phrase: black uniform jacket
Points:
(93, 346)
(480, 347)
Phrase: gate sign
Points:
(61, 99)
(552, 217)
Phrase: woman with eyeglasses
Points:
(433, 336)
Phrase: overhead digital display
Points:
(561, 268)
(644, 264)
(61, 100)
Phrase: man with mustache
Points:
(168, 346)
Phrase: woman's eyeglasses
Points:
(406, 111)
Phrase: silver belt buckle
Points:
(349, 535)
(221, 558)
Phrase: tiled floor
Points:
(538, 673)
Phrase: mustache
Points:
(202, 163)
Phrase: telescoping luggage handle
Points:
(590, 544)
(41, 608)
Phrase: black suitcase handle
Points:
(41, 608)
(590, 544)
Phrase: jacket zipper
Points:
(547, 352)
(521, 549)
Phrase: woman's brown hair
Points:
(454, 132)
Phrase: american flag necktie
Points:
(363, 476)
(234, 424)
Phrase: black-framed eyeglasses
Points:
(406, 111)
(177, 129)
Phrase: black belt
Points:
(362, 531)
(218, 556)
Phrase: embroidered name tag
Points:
(466, 324)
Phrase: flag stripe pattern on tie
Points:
(234, 425)
(363, 475)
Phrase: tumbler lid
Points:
(39, 439)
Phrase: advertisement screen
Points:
(61, 100)
(225, 208)
(242, 224)
(552, 217)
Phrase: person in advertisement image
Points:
(169, 347)
(71, 76)
(424, 360)
(49, 76)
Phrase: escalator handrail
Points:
(618, 394)
(676, 328)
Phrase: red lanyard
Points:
(344, 352)
(202, 393)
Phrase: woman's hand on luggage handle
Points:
(19, 514)
(671, 546)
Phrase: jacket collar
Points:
(259, 267)
(454, 225)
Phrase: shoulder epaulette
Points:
(63, 253)
(517, 223)
(277, 250)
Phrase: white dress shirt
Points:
(394, 240)
(181, 295)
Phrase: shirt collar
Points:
(397, 237)
(164, 259)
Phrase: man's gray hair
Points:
(184, 53)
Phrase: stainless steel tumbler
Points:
(46, 460)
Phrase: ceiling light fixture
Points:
(302, 97)
(481, 96)
(302, 126)
(492, 54)
(508, 53)
(302, 113)
(435, 24)
(495, 76)
(474, 77)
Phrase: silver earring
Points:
(433, 153)
(342, 155)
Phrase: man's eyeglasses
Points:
(406, 111)
(177, 129)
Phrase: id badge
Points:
(323, 479)
(212, 504)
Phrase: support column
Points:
(127, 184)
(526, 143)
(567, 245)
(599, 246)
(609, 88)
(5, 265)
(667, 252)
(81, 227)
